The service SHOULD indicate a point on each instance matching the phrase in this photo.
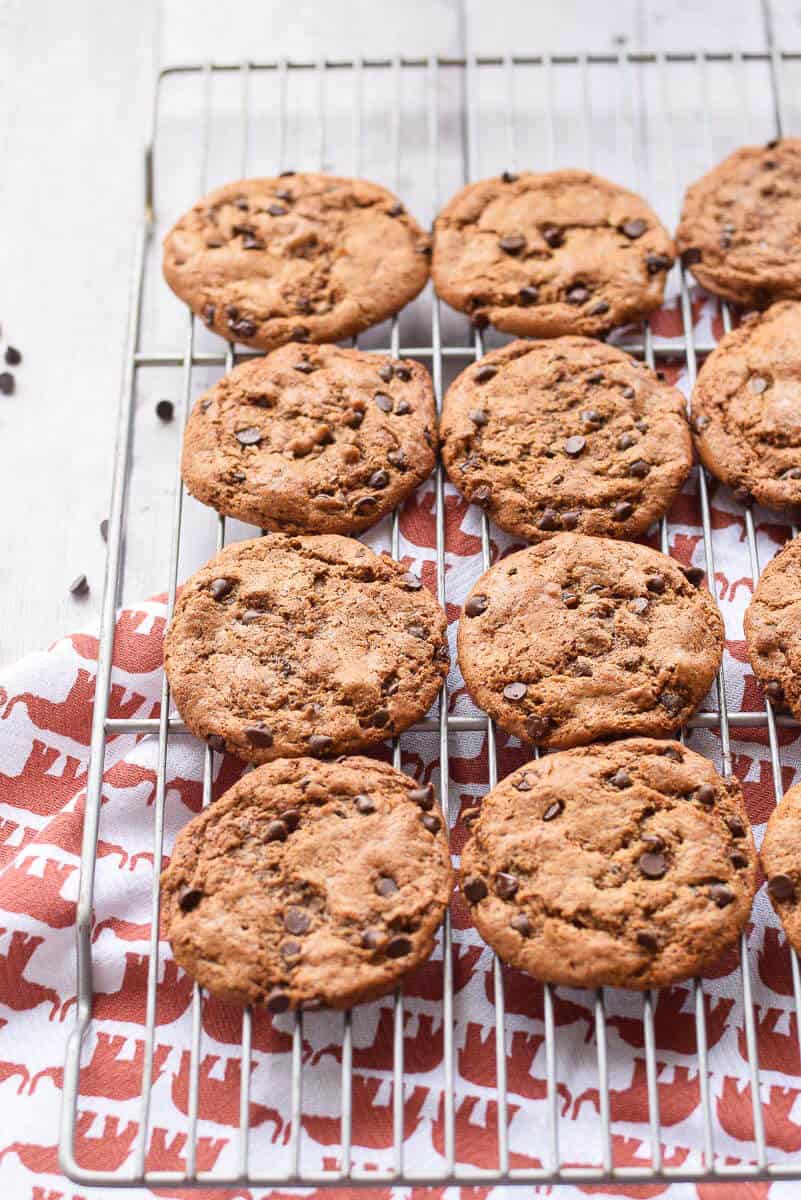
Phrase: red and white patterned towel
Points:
(45, 711)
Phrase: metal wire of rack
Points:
(638, 78)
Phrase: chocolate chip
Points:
(79, 586)
(371, 939)
(305, 367)
(13, 356)
(528, 294)
(639, 605)
(243, 327)
(657, 584)
(220, 588)
(482, 495)
(628, 393)
(365, 505)
(249, 437)
(398, 459)
(693, 575)
(417, 631)
(523, 784)
(599, 308)
(521, 924)
(403, 407)
(250, 615)
(791, 473)
(537, 727)
(657, 262)
(641, 424)
(478, 416)
(396, 210)
(622, 511)
(283, 194)
(515, 691)
(736, 827)
(739, 860)
(743, 496)
(291, 818)
(304, 306)
(296, 920)
(7, 383)
(104, 529)
(620, 779)
(383, 401)
(553, 810)
(189, 899)
(634, 229)
(259, 735)
(165, 410)
(639, 468)
(403, 373)
(647, 941)
(208, 313)
(691, 255)
(626, 441)
(386, 372)
(512, 244)
(365, 804)
(277, 1001)
(549, 520)
(378, 479)
(757, 384)
(652, 864)
(431, 822)
(577, 294)
(591, 417)
(216, 743)
(485, 373)
(476, 605)
(423, 796)
(706, 795)
(506, 885)
(386, 886)
(276, 210)
(470, 815)
(553, 236)
(290, 949)
(721, 894)
(320, 744)
(570, 519)
(474, 888)
(574, 445)
(276, 831)
(781, 887)
(774, 691)
(671, 702)
(509, 177)
(479, 320)
(399, 947)
(674, 753)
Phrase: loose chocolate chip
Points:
(474, 888)
(290, 949)
(276, 831)
(721, 894)
(7, 383)
(396, 210)
(259, 735)
(431, 822)
(591, 417)
(639, 605)
(320, 744)
(781, 887)
(165, 410)
(757, 384)
(671, 702)
(549, 520)
(378, 479)
(657, 584)
(216, 743)
(647, 941)
(79, 586)
(297, 920)
(691, 255)
(657, 262)
(476, 605)
(620, 779)
(634, 229)
(13, 356)
(553, 810)
(249, 437)
(577, 294)
(220, 588)
(478, 416)
(506, 885)
(652, 864)
(512, 244)
(104, 529)
(622, 511)
(509, 177)
(399, 947)
(485, 373)
(277, 1002)
(774, 691)
(574, 445)
(537, 727)
(482, 495)
(553, 236)
(599, 308)
(291, 818)
(189, 899)
(521, 924)
(639, 468)
(365, 804)
(386, 885)
(383, 401)
(528, 294)
(515, 691)
(706, 795)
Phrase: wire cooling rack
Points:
(423, 126)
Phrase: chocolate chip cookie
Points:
(746, 412)
(740, 229)
(303, 645)
(309, 883)
(781, 863)
(628, 865)
(312, 440)
(581, 638)
(548, 254)
(566, 434)
(773, 628)
(299, 258)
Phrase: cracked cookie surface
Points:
(284, 646)
(566, 434)
(550, 254)
(746, 408)
(740, 228)
(630, 865)
(312, 439)
(300, 257)
(772, 626)
(781, 862)
(309, 883)
(582, 638)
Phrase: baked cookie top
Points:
(630, 865)
(740, 228)
(312, 439)
(781, 861)
(302, 257)
(746, 408)
(309, 883)
(581, 638)
(773, 628)
(566, 434)
(285, 646)
(548, 254)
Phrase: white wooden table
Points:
(76, 88)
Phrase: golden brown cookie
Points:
(312, 439)
(629, 865)
(298, 258)
(547, 254)
(781, 862)
(581, 638)
(285, 646)
(746, 408)
(309, 883)
(773, 628)
(566, 434)
(740, 229)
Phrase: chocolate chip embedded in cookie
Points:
(773, 629)
(739, 229)
(581, 638)
(308, 883)
(781, 863)
(745, 408)
(566, 434)
(299, 258)
(549, 254)
(312, 439)
(284, 646)
(630, 865)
